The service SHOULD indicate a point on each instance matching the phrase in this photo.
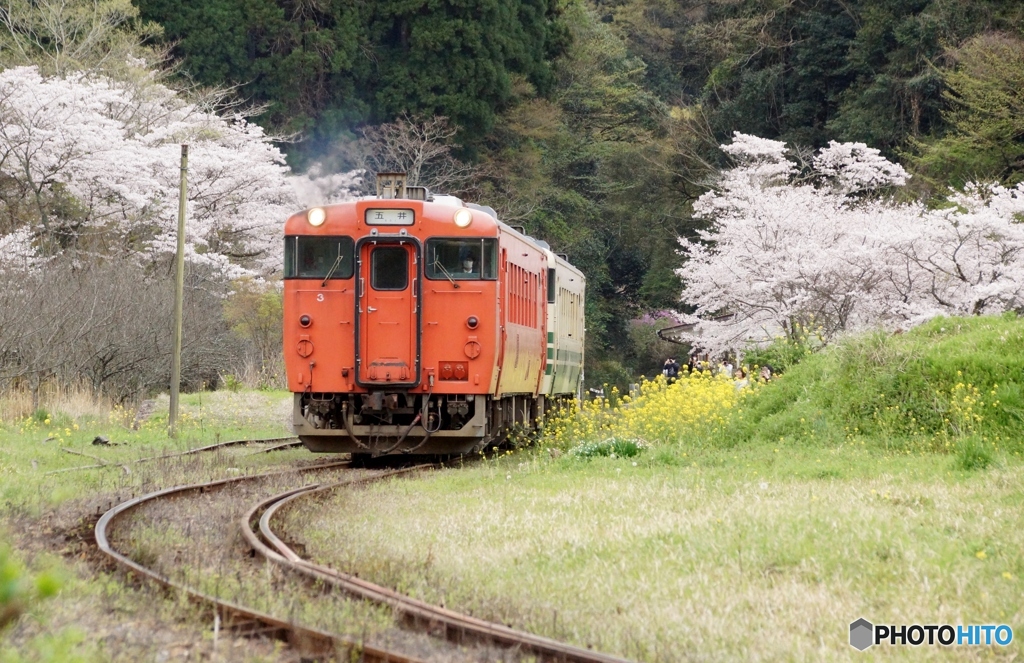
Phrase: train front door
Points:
(388, 312)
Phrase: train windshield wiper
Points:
(437, 264)
(331, 270)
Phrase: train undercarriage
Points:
(380, 422)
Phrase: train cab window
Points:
(308, 257)
(462, 259)
(389, 268)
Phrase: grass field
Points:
(47, 567)
(880, 479)
(39, 448)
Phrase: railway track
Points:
(234, 616)
(230, 615)
(282, 443)
(453, 626)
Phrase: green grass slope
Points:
(952, 385)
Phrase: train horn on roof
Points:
(391, 185)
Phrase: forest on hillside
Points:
(595, 124)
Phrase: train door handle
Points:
(370, 309)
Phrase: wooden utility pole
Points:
(179, 295)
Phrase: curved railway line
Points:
(256, 529)
(238, 617)
(453, 626)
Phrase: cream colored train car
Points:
(563, 375)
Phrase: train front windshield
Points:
(308, 257)
(462, 259)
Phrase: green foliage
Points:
(973, 454)
(327, 66)
(255, 312)
(611, 448)
(586, 171)
(74, 35)
(651, 351)
(953, 385)
(18, 589)
(67, 645)
(780, 355)
(231, 383)
(807, 71)
(785, 352)
(985, 137)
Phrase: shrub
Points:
(787, 351)
(615, 448)
(973, 454)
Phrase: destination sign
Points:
(390, 217)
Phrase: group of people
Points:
(672, 367)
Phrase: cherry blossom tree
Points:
(100, 158)
(89, 177)
(967, 259)
(823, 246)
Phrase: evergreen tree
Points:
(325, 66)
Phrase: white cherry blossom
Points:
(114, 148)
(833, 251)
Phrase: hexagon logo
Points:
(862, 634)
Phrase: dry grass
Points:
(74, 401)
(237, 409)
(216, 408)
(195, 539)
(739, 558)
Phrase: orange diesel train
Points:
(417, 323)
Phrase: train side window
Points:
(462, 259)
(389, 268)
(310, 257)
(551, 285)
(533, 299)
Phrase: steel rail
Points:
(455, 626)
(230, 443)
(189, 452)
(304, 639)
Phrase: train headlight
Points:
(316, 216)
(305, 321)
(463, 218)
(472, 322)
